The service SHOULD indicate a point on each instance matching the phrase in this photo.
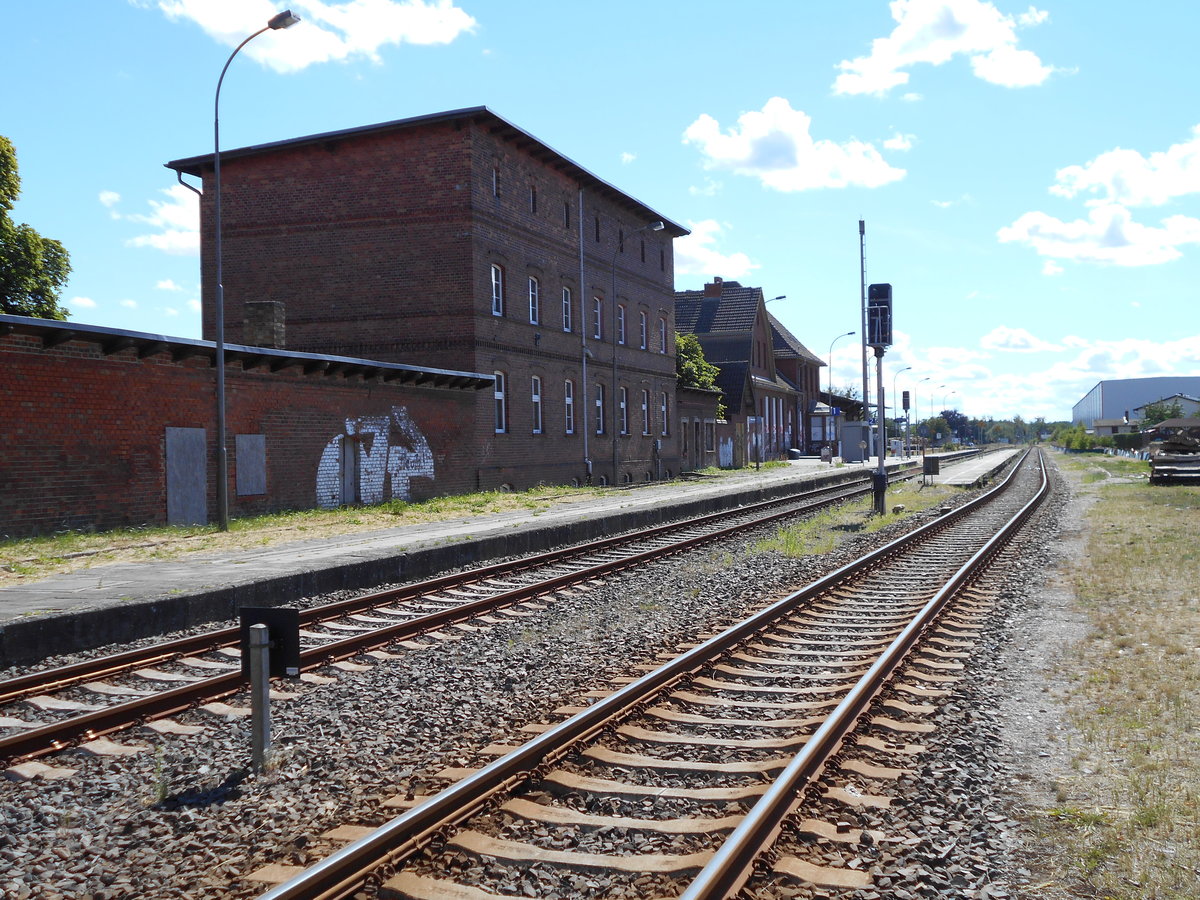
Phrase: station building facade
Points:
(459, 241)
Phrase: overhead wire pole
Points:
(862, 298)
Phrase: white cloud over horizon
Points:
(328, 31)
(935, 31)
(696, 253)
(775, 145)
(177, 220)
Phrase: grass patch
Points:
(822, 532)
(1134, 695)
(39, 557)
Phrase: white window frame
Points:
(569, 406)
(623, 409)
(665, 408)
(621, 324)
(645, 411)
(598, 318)
(535, 400)
(497, 290)
(600, 409)
(662, 334)
(501, 402)
(567, 311)
(644, 326)
(535, 301)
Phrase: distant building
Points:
(1119, 398)
(769, 380)
(1189, 407)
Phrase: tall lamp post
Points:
(616, 394)
(828, 435)
(277, 22)
(894, 377)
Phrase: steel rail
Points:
(731, 866)
(56, 736)
(16, 688)
(343, 872)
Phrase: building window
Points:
(623, 410)
(664, 409)
(535, 303)
(535, 400)
(497, 291)
(495, 181)
(598, 318)
(501, 404)
(710, 437)
(621, 323)
(567, 309)
(662, 259)
(596, 222)
(533, 199)
(645, 412)
(620, 240)
(642, 329)
(599, 409)
(566, 214)
(662, 335)
(569, 406)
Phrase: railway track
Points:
(86, 701)
(680, 782)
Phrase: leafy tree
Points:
(956, 421)
(692, 370)
(33, 269)
(1160, 411)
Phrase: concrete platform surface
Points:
(114, 602)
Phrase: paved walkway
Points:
(116, 601)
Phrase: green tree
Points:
(1160, 411)
(692, 370)
(33, 269)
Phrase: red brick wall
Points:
(381, 246)
(83, 434)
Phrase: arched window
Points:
(566, 300)
(535, 402)
(569, 406)
(501, 403)
(497, 290)
(535, 302)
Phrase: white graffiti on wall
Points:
(374, 460)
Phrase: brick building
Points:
(459, 241)
(104, 428)
(769, 380)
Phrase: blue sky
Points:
(1029, 175)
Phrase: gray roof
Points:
(734, 311)
(52, 333)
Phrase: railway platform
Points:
(116, 602)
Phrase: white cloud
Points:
(109, 198)
(696, 254)
(1050, 267)
(177, 219)
(170, 311)
(911, 97)
(194, 305)
(328, 30)
(168, 284)
(627, 158)
(129, 304)
(85, 302)
(1015, 340)
(1108, 235)
(900, 141)
(1131, 179)
(936, 31)
(775, 146)
(710, 188)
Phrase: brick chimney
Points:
(264, 324)
(715, 287)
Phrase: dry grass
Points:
(824, 531)
(1129, 821)
(31, 558)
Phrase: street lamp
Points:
(652, 226)
(828, 435)
(277, 22)
(894, 377)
